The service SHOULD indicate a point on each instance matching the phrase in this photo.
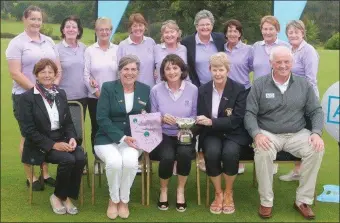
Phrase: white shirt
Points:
(216, 99)
(128, 101)
(283, 87)
(53, 112)
(177, 94)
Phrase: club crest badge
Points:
(228, 111)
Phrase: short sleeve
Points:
(14, 50)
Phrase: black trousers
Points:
(167, 152)
(83, 102)
(69, 171)
(218, 149)
(92, 105)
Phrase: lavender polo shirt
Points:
(306, 63)
(100, 65)
(203, 53)
(240, 63)
(160, 52)
(185, 106)
(144, 51)
(260, 56)
(72, 64)
(29, 52)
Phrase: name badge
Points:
(270, 95)
(141, 102)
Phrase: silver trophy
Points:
(185, 135)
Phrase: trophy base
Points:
(184, 140)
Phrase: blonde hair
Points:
(219, 59)
(271, 20)
(171, 24)
(102, 20)
(297, 24)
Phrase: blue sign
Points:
(333, 111)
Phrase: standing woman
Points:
(100, 66)
(306, 63)
(220, 111)
(46, 122)
(170, 44)
(239, 55)
(71, 54)
(114, 144)
(200, 46)
(22, 53)
(173, 98)
(141, 46)
(270, 27)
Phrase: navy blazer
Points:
(190, 43)
(231, 110)
(36, 125)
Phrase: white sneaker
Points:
(275, 168)
(174, 171)
(290, 176)
(241, 168)
(139, 170)
(96, 169)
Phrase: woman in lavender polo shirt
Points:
(173, 98)
(306, 63)
(141, 46)
(71, 54)
(170, 37)
(100, 66)
(270, 27)
(22, 53)
(240, 58)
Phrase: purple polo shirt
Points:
(240, 63)
(29, 52)
(260, 56)
(184, 107)
(72, 64)
(160, 52)
(203, 53)
(306, 63)
(144, 51)
(100, 65)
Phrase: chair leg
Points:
(148, 175)
(81, 192)
(100, 174)
(31, 185)
(88, 172)
(208, 191)
(198, 183)
(143, 180)
(93, 183)
(42, 182)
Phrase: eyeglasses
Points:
(203, 25)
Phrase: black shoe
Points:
(36, 186)
(50, 181)
(181, 207)
(163, 206)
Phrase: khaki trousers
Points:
(297, 145)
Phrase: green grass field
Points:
(14, 193)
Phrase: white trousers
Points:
(121, 165)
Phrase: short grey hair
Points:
(277, 49)
(297, 24)
(204, 14)
(125, 60)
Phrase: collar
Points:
(66, 44)
(96, 44)
(198, 41)
(163, 46)
(284, 84)
(238, 45)
(275, 42)
(35, 91)
(131, 42)
(302, 44)
(42, 37)
(181, 88)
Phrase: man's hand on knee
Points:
(316, 142)
(262, 141)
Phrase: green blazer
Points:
(112, 119)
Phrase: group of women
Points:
(205, 76)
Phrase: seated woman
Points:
(46, 123)
(220, 110)
(173, 98)
(113, 142)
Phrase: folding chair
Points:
(99, 163)
(77, 115)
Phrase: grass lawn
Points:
(14, 193)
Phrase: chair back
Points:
(77, 115)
